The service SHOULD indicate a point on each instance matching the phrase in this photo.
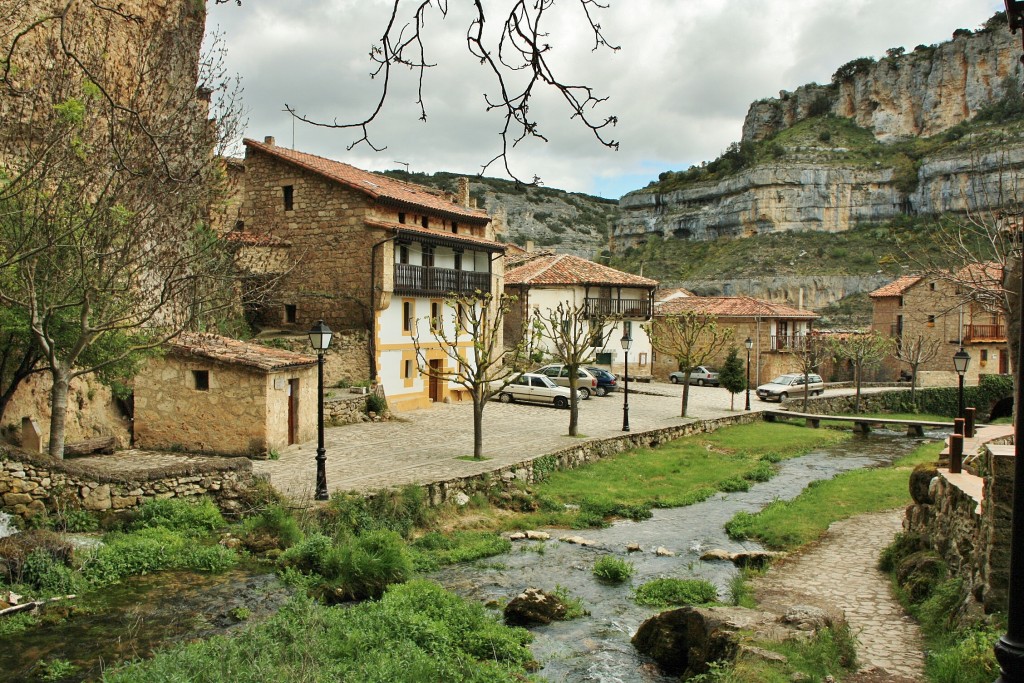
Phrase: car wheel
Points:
(602, 391)
(700, 383)
(561, 402)
(583, 392)
(673, 379)
(783, 396)
(505, 397)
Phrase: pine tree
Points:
(732, 376)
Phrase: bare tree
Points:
(916, 351)
(811, 350)
(518, 59)
(570, 330)
(472, 347)
(107, 172)
(861, 350)
(692, 338)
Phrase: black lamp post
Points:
(749, 343)
(1010, 648)
(320, 338)
(961, 359)
(626, 341)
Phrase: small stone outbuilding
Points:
(211, 394)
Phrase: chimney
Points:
(463, 192)
(529, 246)
(269, 140)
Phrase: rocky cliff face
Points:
(921, 93)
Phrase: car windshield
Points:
(782, 379)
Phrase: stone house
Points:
(942, 312)
(373, 257)
(212, 394)
(777, 331)
(622, 299)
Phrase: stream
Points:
(132, 619)
(597, 648)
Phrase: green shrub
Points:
(178, 514)
(613, 569)
(919, 574)
(15, 551)
(274, 527)
(48, 575)
(400, 511)
(969, 657)
(903, 545)
(376, 403)
(676, 592)
(762, 472)
(150, 550)
(734, 484)
(369, 564)
(309, 555)
(574, 608)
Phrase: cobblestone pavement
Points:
(841, 570)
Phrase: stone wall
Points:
(33, 484)
(345, 409)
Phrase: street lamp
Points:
(749, 343)
(320, 338)
(626, 341)
(961, 359)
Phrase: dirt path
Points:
(841, 569)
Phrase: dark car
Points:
(606, 382)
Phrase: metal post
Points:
(747, 407)
(321, 452)
(960, 397)
(625, 404)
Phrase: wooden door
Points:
(293, 411)
(435, 381)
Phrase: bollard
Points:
(969, 417)
(958, 426)
(956, 453)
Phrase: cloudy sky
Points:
(680, 85)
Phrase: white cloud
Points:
(680, 84)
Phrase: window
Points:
(455, 228)
(239, 226)
(407, 314)
(289, 197)
(931, 286)
(643, 358)
(458, 260)
(428, 256)
(435, 314)
(596, 335)
(290, 313)
(931, 321)
(627, 327)
(401, 217)
(403, 253)
(407, 370)
(201, 379)
(425, 222)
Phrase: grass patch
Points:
(416, 632)
(574, 608)
(831, 652)
(435, 550)
(676, 592)
(470, 458)
(613, 569)
(786, 525)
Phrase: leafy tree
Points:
(862, 350)
(692, 338)
(569, 330)
(733, 375)
(472, 346)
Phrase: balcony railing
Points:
(788, 342)
(984, 333)
(619, 308)
(426, 281)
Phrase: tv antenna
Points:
(293, 125)
(404, 163)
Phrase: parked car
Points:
(606, 382)
(535, 388)
(784, 386)
(700, 376)
(586, 383)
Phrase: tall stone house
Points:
(619, 302)
(916, 307)
(777, 331)
(371, 256)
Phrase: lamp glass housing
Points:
(320, 337)
(626, 341)
(961, 359)
(749, 343)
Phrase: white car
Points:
(784, 386)
(535, 388)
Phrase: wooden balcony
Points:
(438, 282)
(634, 309)
(981, 333)
(788, 342)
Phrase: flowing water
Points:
(597, 648)
(7, 525)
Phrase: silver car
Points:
(586, 383)
(784, 386)
(700, 376)
(535, 388)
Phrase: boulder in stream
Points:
(534, 606)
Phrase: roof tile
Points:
(566, 269)
(730, 306)
(897, 287)
(235, 352)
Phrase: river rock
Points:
(577, 540)
(534, 606)
(716, 555)
(755, 559)
(662, 551)
(538, 535)
(812, 618)
(516, 536)
(633, 548)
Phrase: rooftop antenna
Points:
(293, 125)
(404, 163)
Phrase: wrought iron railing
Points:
(427, 281)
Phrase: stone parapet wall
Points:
(997, 509)
(31, 485)
(508, 479)
(345, 410)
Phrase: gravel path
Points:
(841, 569)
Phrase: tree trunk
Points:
(1012, 284)
(732, 401)
(574, 414)
(686, 393)
(478, 427)
(913, 387)
(58, 410)
(856, 381)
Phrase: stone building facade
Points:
(369, 253)
(776, 330)
(211, 394)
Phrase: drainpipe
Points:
(373, 305)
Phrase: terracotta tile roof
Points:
(897, 287)
(378, 186)
(987, 275)
(254, 239)
(439, 235)
(730, 307)
(235, 352)
(671, 293)
(566, 269)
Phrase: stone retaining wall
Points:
(345, 409)
(31, 485)
(510, 477)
